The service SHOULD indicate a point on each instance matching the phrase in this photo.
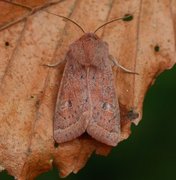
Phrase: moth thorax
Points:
(87, 62)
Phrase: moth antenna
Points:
(126, 17)
(67, 19)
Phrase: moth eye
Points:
(82, 77)
(107, 107)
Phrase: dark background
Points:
(149, 153)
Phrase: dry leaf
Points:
(30, 37)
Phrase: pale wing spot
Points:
(108, 107)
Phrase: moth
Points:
(87, 99)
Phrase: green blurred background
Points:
(149, 153)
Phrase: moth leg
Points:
(115, 62)
(54, 65)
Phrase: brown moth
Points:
(87, 99)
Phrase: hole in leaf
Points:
(157, 48)
(132, 114)
(7, 43)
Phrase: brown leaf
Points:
(30, 37)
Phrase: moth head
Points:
(89, 50)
